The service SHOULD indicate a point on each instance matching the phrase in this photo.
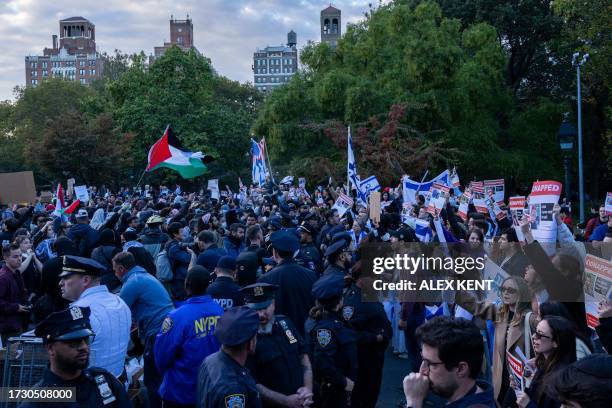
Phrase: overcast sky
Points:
(226, 31)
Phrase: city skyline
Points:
(226, 33)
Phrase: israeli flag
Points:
(287, 180)
(370, 184)
(411, 187)
(258, 171)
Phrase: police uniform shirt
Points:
(95, 387)
(334, 351)
(222, 382)
(226, 292)
(333, 268)
(367, 318)
(293, 297)
(184, 341)
(277, 362)
(310, 258)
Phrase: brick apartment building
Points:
(274, 66)
(181, 35)
(75, 58)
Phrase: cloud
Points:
(228, 32)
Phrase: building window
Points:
(92, 63)
(34, 65)
(81, 63)
(44, 74)
(83, 81)
(93, 72)
(180, 30)
(34, 81)
(33, 73)
(179, 39)
(81, 72)
(44, 64)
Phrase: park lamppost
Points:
(567, 134)
(578, 64)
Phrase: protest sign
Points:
(343, 204)
(497, 275)
(82, 194)
(437, 197)
(464, 203)
(517, 208)
(46, 196)
(16, 188)
(213, 186)
(375, 206)
(496, 188)
(515, 367)
(544, 195)
(454, 179)
(70, 187)
(495, 210)
(609, 204)
(597, 286)
(478, 197)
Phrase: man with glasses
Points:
(66, 336)
(110, 318)
(452, 354)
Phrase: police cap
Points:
(84, 266)
(307, 228)
(69, 324)
(227, 262)
(237, 326)
(285, 241)
(328, 286)
(259, 295)
(340, 242)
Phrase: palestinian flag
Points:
(60, 203)
(168, 152)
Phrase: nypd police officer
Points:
(333, 346)
(66, 336)
(186, 339)
(338, 254)
(293, 297)
(224, 289)
(223, 379)
(374, 331)
(309, 256)
(280, 364)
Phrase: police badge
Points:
(347, 312)
(167, 325)
(76, 313)
(323, 337)
(235, 401)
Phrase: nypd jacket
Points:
(184, 341)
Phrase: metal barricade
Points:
(24, 362)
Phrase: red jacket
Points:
(12, 294)
(590, 227)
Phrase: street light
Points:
(577, 64)
(567, 134)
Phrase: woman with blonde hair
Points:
(513, 321)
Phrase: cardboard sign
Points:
(478, 197)
(375, 206)
(544, 196)
(213, 186)
(16, 188)
(597, 286)
(343, 204)
(82, 194)
(517, 208)
(609, 204)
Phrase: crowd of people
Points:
(253, 299)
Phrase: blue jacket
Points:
(184, 341)
(599, 233)
(147, 299)
(231, 248)
(210, 257)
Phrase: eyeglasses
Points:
(511, 291)
(428, 363)
(538, 336)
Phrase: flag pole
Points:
(416, 193)
(348, 176)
